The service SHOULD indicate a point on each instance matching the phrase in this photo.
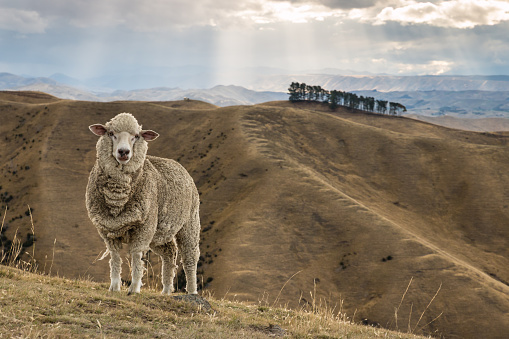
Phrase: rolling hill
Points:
(377, 214)
(478, 125)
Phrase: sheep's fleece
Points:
(148, 203)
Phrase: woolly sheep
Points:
(144, 201)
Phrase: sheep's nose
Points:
(123, 152)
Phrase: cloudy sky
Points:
(88, 38)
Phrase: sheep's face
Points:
(123, 142)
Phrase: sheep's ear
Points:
(149, 135)
(98, 129)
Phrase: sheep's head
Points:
(124, 132)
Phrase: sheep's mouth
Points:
(123, 159)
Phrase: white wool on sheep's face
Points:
(124, 122)
(123, 143)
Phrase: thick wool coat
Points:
(145, 202)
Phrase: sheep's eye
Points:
(110, 134)
(136, 136)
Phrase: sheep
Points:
(144, 201)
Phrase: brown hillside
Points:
(358, 203)
(27, 97)
(478, 125)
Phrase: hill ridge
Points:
(314, 175)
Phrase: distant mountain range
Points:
(459, 96)
(68, 88)
(193, 77)
(383, 83)
(10, 81)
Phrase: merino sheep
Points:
(144, 201)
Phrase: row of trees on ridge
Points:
(303, 92)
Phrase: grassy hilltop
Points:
(355, 207)
(39, 306)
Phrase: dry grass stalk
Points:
(2, 257)
(15, 251)
(33, 232)
(281, 290)
(422, 314)
(53, 258)
(3, 220)
(401, 302)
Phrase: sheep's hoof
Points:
(115, 285)
(131, 291)
(167, 291)
(135, 287)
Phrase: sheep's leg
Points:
(115, 270)
(188, 240)
(168, 274)
(168, 253)
(137, 272)
(169, 266)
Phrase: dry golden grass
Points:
(479, 125)
(40, 306)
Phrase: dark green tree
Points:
(303, 91)
(333, 99)
(396, 108)
(370, 104)
(310, 93)
(293, 91)
(381, 106)
(318, 93)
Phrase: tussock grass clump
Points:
(12, 250)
